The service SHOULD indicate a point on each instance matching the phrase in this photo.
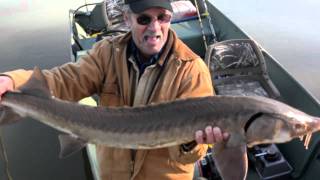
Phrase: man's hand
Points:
(211, 135)
(6, 84)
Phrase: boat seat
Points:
(91, 22)
(238, 67)
(112, 13)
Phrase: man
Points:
(147, 65)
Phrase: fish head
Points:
(266, 128)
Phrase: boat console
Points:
(269, 162)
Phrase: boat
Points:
(251, 70)
(210, 34)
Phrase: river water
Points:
(289, 30)
(35, 33)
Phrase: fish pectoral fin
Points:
(70, 144)
(8, 116)
(231, 162)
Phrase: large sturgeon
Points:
(249, 120)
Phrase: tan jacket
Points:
(105, 72)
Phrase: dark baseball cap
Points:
(138, 6)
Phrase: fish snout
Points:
(301, 128)
(313, 125)
(304, 130)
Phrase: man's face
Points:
(149, 29)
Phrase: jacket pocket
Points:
(110, 95)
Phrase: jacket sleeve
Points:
(19, 76)
(197, 83)
(73, 81)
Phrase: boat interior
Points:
(238, 65)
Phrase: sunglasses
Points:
(146, 19)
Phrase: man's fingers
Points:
(225, 136)
(217, 134)
(199, 137)
(6, 84)
(209, 135)
(2, 91)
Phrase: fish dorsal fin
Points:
(231, 162)
(36, 85)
